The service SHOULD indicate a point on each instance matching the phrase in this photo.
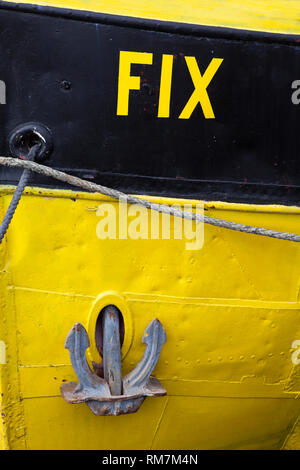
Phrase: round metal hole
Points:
(25, 136)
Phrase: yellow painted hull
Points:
(230, 310)
(278, 16)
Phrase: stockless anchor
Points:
(113, 395)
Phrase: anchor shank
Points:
(112, 350)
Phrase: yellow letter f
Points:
(126, 81)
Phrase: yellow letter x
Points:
(201, 83)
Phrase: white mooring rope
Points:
(89, 186)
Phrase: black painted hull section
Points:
(63, 72)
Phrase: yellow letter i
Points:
(165, 86)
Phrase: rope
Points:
(17, 194)
(115, 194)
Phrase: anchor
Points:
(111, 395)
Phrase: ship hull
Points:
(228, 301)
